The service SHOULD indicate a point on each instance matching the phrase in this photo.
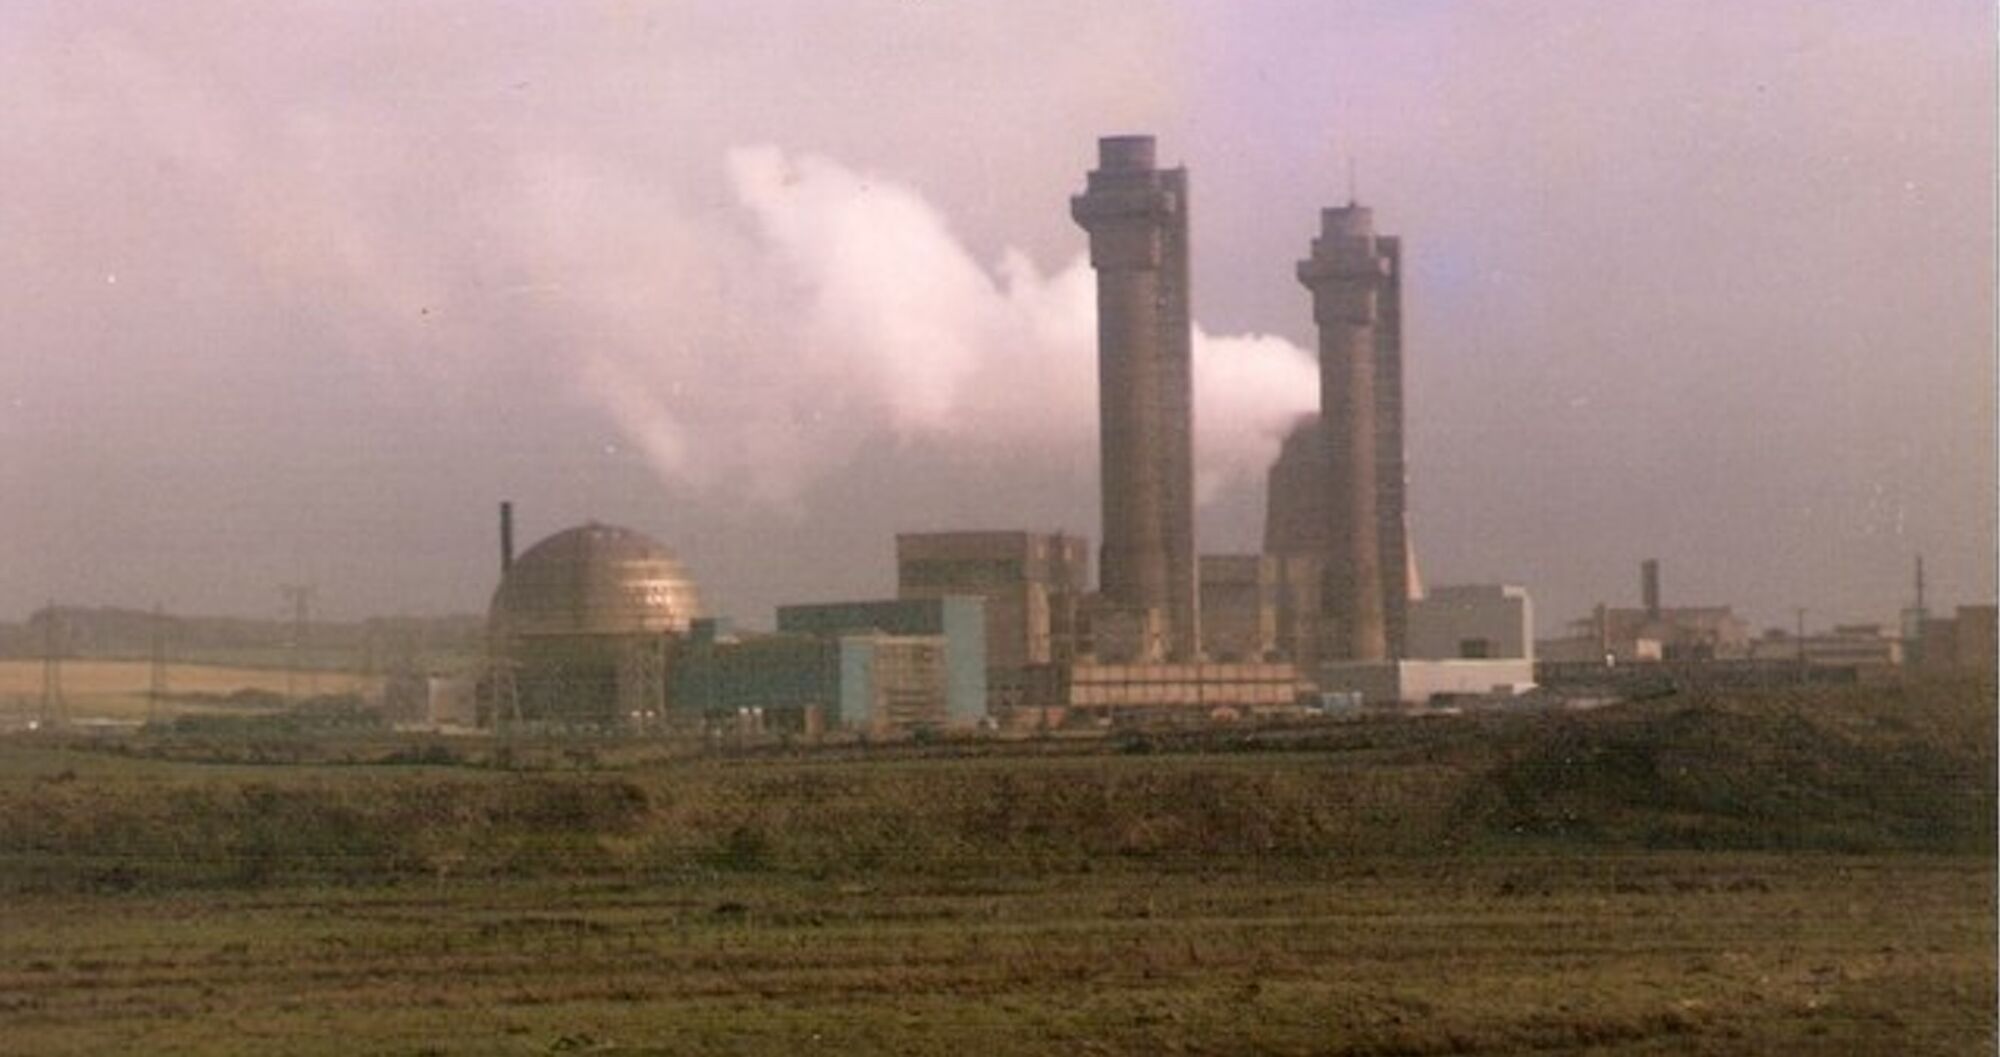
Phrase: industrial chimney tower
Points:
(1349, 275)
(1137, 217)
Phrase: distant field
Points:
(1794, 873)
(117, 690)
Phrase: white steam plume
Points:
(846, 306)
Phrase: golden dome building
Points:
(582, 628)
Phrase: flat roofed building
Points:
(1023, 577)
(1964, 643)
(802, 682)
(1472, 622)
(1165, 692)
(1239, 606)
(956, 622)
(1414, 682)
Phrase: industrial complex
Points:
(599, 627)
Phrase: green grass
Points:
(1770, 874)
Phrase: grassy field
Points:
(1649, 954)
(1777, 874)
(117, 690)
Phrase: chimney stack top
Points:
(1125, 154)
(1348, 221)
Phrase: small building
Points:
(1963, 643)
(1472, 622)
(787, 682)
(1652, 631)
(933, 646)
(1424, 682)
(1169, 693)
(433, 700)
(1869, 649)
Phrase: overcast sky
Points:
(298, 292)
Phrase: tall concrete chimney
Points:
(506, 537)
(1649, 587)
(1137, 217)
(1346, 273)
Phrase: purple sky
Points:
(297, 292)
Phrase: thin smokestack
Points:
(1649, 587)
(506, 537)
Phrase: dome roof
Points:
(595, 580)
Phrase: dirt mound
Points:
(1861, 769)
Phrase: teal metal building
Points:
(959, 620)
(860, 665)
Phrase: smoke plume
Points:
(833, 306)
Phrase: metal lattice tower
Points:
(156, 687)
(54, 707)
(300, 598)
(501, 677)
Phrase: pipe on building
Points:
(506, 537)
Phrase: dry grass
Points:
(117, 690)
(1717, 954)
(1530, 885)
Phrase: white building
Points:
(1472, 622)
(1472, 640)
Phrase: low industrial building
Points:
(1469, 640)
(1472, 622)
(1158, 693)
(1239, 607)
(1652, 632)
(1961, 644)
(431, 701)
(1870, 649)
(875, 667)
(934, 648)
(1023, 578)
(1424, 682)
